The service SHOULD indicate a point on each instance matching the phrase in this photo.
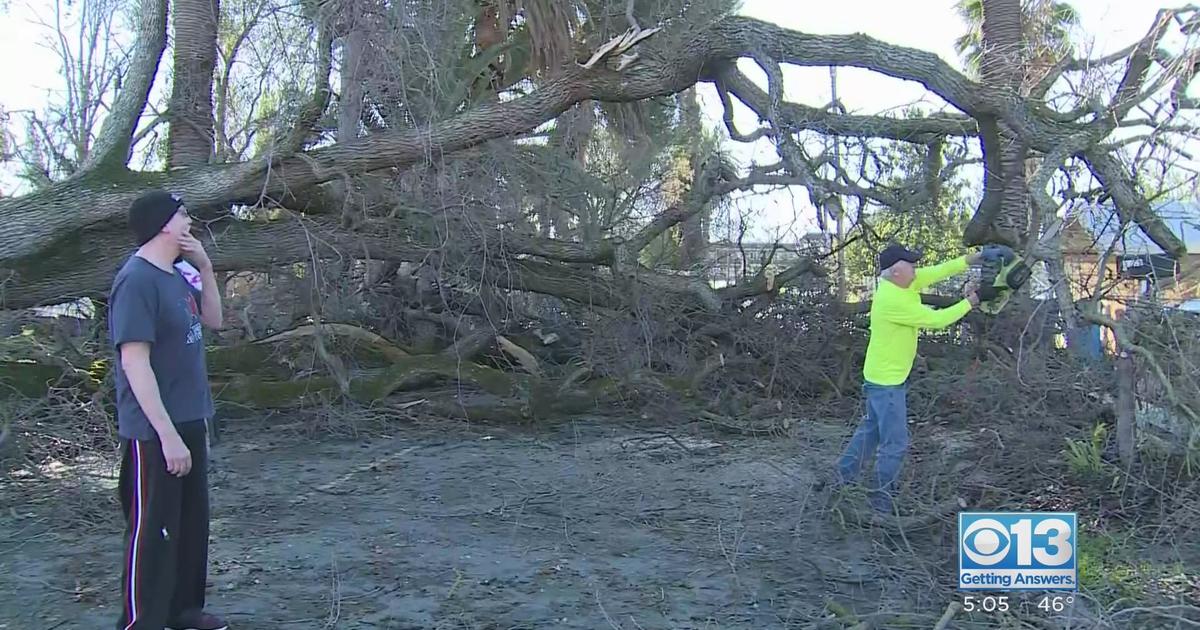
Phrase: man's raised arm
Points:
(918, 315)
(926, 276)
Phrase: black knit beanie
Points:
(150, 212)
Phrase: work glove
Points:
(993, 253)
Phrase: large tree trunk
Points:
(190, 139)
(350, 99)
(1002, 66)
(35, 224)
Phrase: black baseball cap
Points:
(893, 254)
(150, 212)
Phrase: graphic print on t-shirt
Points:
(189, 273)
(195, 333)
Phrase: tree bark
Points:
(1132, 206)
(84, 267)
(1126, 411)
(803, 117)
(1004, 213)
(350, 101)
(190, 138)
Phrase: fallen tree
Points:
(535, 225)
(71, 225)
(455, 218)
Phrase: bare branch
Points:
(114, 141)
(799, 117)
(1131, 205)
(319, 101)
(224, 78)
(1126, 342)
(727, 116)
(1127, 94)
(148, 129)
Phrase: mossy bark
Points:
(30, 380)
(280, 373)
(509, 396)
(280, 355)
(415, 372)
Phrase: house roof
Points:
(1101, 227)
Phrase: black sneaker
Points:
(198, 621)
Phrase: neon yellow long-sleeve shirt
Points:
(897, 315)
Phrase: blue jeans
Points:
(883, 432)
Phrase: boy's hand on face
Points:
(194, 252)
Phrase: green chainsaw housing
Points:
(998, 282)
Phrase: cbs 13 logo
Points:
(991, 541)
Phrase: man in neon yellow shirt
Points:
(897, 317)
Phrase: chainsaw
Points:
(999, 280)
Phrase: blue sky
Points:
(1107, 25)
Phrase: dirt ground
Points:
(590, 524)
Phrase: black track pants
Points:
(166, 532)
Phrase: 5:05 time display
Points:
(985, 603)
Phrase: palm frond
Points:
(1047, 28)
(552, 27)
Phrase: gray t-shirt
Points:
(150, 304)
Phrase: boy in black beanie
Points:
(163, 404)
